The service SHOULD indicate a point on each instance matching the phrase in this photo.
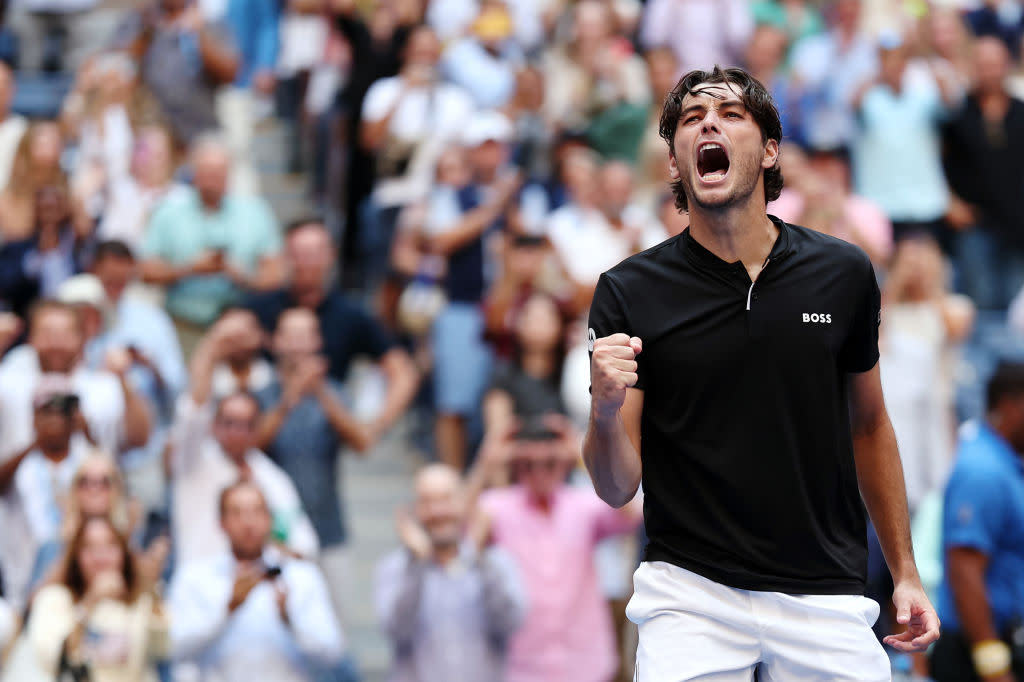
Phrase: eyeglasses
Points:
(94, 482)
(240, 424)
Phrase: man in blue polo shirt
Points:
(981, 601)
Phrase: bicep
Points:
(867, 404)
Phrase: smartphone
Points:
(272, 572)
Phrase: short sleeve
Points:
(379, 99)
(608, 316)
(373, 340)
(153, 242)
(973, 510)
(860, 349)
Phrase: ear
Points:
(673, 167)
(771, 154)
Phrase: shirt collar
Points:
(1000, 446)
(701, 256)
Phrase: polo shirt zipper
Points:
(750, 291)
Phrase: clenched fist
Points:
(613, 370)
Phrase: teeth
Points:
(713, 177)
(710, 145)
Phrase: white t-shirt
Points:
(201, 471)
(99, 393)
(585, 242)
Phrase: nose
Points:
(710, 123)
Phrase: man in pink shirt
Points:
(552, 528)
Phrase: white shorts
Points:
(692, 628)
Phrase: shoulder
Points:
(647, 262)
(52, 597)
(384, 88)
(977, 455)
(810, 244)
(174, 203)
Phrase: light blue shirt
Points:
(181, 229)
(897, 158)
(488, 78)
(984, 511)
(149, 329)
(831, 75)
(253, 643)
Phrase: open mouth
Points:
(712, 162)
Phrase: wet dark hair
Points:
(756, 99)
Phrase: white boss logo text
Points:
(823, 318)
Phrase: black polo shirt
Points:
(748, 468)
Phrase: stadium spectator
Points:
(984, 143)
(1001, 20)
(129, 201)
(304, 426)
(551, 529)
(209, 246)
(462, 358)
(896, 150)
(243, 367)
(347, 329)
(922, 323)
(101, 621)
(983, 518)
(12, 125)
(97, 489)
(448, 603)
(797, 18)
(140, 327)
(596, 85)
(116, 415)
(182, 60)
(527, 386)
(56, 35)
(831, 66)
(483, 62)
(36, 482)
(700, 32)
(252, 613)
(214, 444)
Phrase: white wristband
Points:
(991, 657)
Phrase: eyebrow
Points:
(734, 102)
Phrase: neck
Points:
(55, 453)
(543, 502)
(742, 233)
(537, 363)
(445, 554)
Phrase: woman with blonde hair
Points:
(97, 490)
(101, 621)
(37, 164)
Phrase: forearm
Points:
(466, 230)
(972, 605)
(161, 272)
(9, 468)
(270, 275)
(611, 459)
(401, 622)
(219, 62)
(503, 611)
(204, 360)
(270, 425)
(403, 380)
(880, 476)
(344, 424)
(137, 417)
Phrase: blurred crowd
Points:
(177, 384)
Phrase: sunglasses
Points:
(94, 482)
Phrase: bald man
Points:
(207, 246)
(447, 602)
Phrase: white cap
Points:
(487, 126)
(81, 289)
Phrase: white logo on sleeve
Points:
(818, 318)
(591, 338)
